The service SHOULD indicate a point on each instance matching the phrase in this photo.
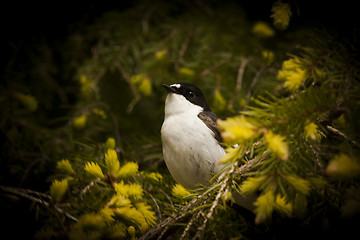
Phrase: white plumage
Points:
(190, 150)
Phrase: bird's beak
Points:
(170, 89)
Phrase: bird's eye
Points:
(191, 94)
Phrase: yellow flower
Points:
(292, 73)
(58, 189)
(86, 85)
(277, 145)
(179, 191)
(301, 185)
(295, 78)
(263, 30)
(145, 87)
(155, 176)
(107, 214)
(311, 131)
(129, 169)
(343, 166)
(281, 14)
(112, 163)
(252, 184)
(282, 205)
(100, 113)
(129, 190)
(28, 101)
(264, 207)
(80, 121)
(94, 170)
(232, 153)
(268, 56)
(119, 200)
(236, 129)
(142, 83)
(65, 166)
(110, 143)
(131, 230)
(136, 79)
(160, 54)
(131, 214)
(186, 71)
(292, 64)
(145, 210)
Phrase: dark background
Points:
(24, 25)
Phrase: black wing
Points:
(209, 118)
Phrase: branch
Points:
(253, 83)
(239, 80)
(224, 186)
(213, 67)
(170, 224)
(25, 193)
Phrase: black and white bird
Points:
(191, 139)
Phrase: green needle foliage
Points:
(84, 146)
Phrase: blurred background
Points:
(74, 75)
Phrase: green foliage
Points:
(288, 99)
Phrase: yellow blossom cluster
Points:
(143, 83)
(161, 54)
(281, 13)
(232, 153)
(292, 73)
(267, 203)
(268, 56)
(311, 131)
(262, 30)
(80, 121)
(155, 176)
(127, 204)
(252, 184)
(237, 129)
(186, 71)
(65, 166)
(58, 189)
(179, 191)
(110, 143)
(277, 145)
(343, 166)
(126, 213)
(86, 85)
(112, 164)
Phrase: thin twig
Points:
(341, 134)
(25, 194)
(223, 187)
(156, 204)
(213, 67)
(253, 83)
(182, 52)
(87, 187)
(239, 81)
(133, 89)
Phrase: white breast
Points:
(190, 150)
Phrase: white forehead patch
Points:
(175, 85)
